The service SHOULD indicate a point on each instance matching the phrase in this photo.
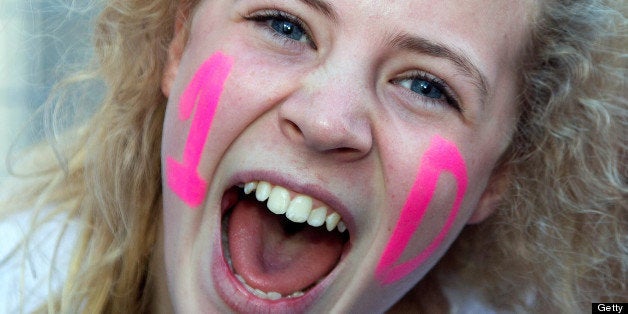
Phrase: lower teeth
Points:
(267, 295)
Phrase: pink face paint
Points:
(441, 156)
(203, 91)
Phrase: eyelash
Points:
(448, 94)
(266, 16)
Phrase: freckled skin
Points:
(335, 118)
(203, 93)
(441, 156)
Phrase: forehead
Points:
(476, 19)
(489, 32)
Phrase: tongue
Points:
(272, 256)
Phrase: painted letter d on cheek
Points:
(203, 91)
(441, 156)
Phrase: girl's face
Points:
(380, 120)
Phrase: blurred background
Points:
(41, 41)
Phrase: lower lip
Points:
(235, 295)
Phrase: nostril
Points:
(291, 130)
(346, 150)
(294, 126)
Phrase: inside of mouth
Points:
(273, 255)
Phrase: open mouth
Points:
(279, 244)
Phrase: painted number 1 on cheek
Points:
(203, 91)
(441, 156)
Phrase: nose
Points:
(329, 114)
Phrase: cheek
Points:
(201, 97)
(441, 156)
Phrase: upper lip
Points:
(300, 185)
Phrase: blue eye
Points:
(426, 88)
(288, 29)
(284, 26)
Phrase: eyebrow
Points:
(423, 46)
(464, 65)
(325, 8)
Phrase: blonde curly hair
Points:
(558, 240)
(560, 235)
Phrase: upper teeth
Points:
(297, 209)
